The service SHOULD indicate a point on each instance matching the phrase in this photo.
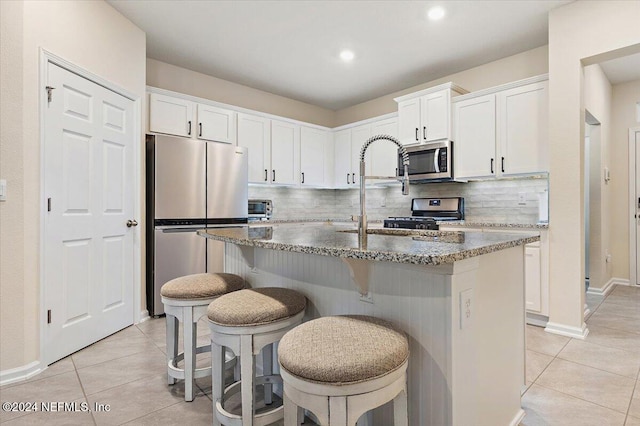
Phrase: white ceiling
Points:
(623, 69)
(291, 48)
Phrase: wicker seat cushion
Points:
(256, 306)
(201, 286)
(343, 349)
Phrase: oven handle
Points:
(436, 163)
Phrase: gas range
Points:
(426, 212)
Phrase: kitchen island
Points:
(458, 295)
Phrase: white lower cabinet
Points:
(536, 268)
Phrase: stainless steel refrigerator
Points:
(191, 185)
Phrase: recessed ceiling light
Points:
(347, 55)
(436, 13)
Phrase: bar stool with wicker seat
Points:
(186, 300)
(340, 367)
(248, 321)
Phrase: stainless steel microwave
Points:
(431, 161)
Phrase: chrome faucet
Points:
(362, 219)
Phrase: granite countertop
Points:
(452, 223)
(476, 224)
(341, 240)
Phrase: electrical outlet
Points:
(466, 308)
(367, 298)
(607, 258)
(522, 199)
(3, 190)
(383, 202)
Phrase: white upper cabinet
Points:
(169, 115)
(425, 116)
(435, 112)
(523, 123)
(502, 131)
(254, 134)
(342, 159)
(359, 135)
(316, 157)
(216, 124)
(176, 116)
(384, 154)
(475, 137)
(285, 152)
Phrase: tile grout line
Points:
(75, 369)
(581, 399)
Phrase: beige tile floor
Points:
(592, 381)
(569, 381)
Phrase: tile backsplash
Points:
(497, 200)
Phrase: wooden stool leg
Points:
(338, 411)
(400, 413)
(291, 411)
(172, 343)
(267, 370)
(248, 372)
(189, 353)
(217, 378)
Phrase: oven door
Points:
(430, 161)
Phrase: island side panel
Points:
(416, 298)
(488, 355)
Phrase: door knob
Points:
(131, 223)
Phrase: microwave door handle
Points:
(436, 163)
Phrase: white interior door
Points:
(88, 248)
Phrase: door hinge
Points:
(49, 316)
(48, 204)
(49, 90)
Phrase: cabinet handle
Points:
(265, 175)
(397, 171)
(424, 132)
(492, 166)
(348, 178)
(302, 177)
(417, 134)
(353, 178)
(200, 126)
(189, 130)
(502, 167)
(273, 175)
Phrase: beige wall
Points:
(526, 64)
(182, 80)
(623, 116)
(12, 291)
(94, 36)
(583, 30)
(597, 100)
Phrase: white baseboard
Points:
(144, 316)
(518, 418)
(21, 373)
(606, 289)
(564, 330)
(537, 319)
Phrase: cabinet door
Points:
(342, 159)
(409, 121)
(313, 157)
(359, 135)
(285, 152)
(384, 154)
(253, 133)
(216, 124)
(523, 129)
(475, 137)
(533, 293)
(169, 115)
(434, 116)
